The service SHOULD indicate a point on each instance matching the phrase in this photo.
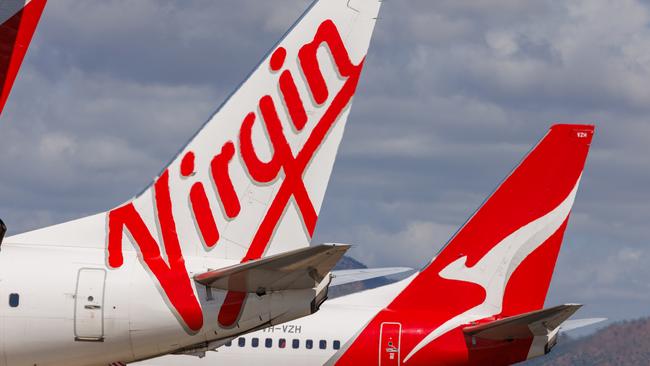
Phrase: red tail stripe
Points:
(15, 36)
(173, 277)
(293, 101)
(203, 215)
(223, 182)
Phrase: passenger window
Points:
(14, 300)
(282, 343)
(268, 343)
(295, 344)
(241, 342)
(337, 345)
(255, 342)
(309, 344)
(228, 344)
(322, 344)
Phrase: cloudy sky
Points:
(453, 95)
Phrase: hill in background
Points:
(621, 344)
(350, 263)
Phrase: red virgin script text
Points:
(172, 274)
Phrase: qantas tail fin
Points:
(500, 263)
(18, 21)
(510, 245)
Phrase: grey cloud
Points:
(176, 42)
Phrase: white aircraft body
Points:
(312, 340)
(218, 245)
(479, 302)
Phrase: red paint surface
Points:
(15, 36)
(277, 59)
(221, 178)
(187, 164)
(203, 215)
(260, 171)
(328, 34)
(292, 100)
(389, 344)
(231, 307)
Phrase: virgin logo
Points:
(172, 274)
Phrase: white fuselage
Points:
(63, 306)
(312, 340)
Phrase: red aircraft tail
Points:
(499, 264)
(18, 19)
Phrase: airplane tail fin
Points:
(500, 263)
(18, 21)
(510, 245)
(251, 182)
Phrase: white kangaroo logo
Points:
(493, 271)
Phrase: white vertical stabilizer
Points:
(251, 182)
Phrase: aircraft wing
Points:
(540, 322)
(298, 269)
(345, 276)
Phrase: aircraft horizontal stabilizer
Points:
(298, 269)
(345, 276)
(535, 323)
(570, 325)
